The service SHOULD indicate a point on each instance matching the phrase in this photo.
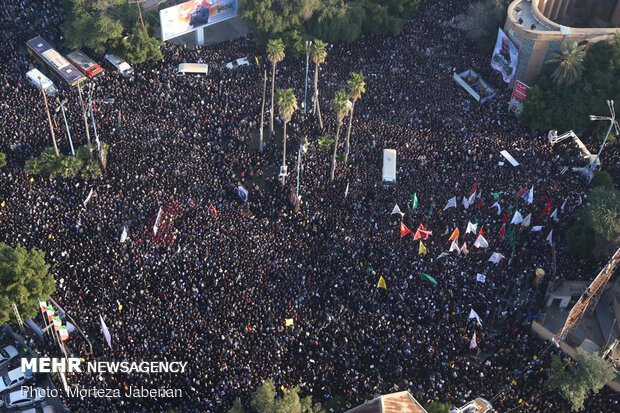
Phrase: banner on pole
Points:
(519, 93)
(505, 56)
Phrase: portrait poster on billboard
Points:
(194, 14)
(518, 97)
(505, 56)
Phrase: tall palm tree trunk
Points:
(317, 105)
(262, 113)
(331, 175)
(346, 145)
(273, 91)
(284, 151)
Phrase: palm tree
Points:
(341, 105)
(275, 54)
(357, 86)
(568, 64)
(318, 53)
(287, 104)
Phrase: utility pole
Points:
(64, 116)
(138, 3)
(49, 117)
(262, 112)
(90, 146)
(92, 114)
(308, 44)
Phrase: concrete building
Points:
(540, 27)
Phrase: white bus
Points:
(389, 166)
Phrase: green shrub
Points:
(2, 159)
(580, 240)
(602, 178)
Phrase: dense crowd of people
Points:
(215, 286)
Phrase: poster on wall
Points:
(505, 56)
(518, 97)
(194, 14)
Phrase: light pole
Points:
(308, 44)
(62, 109)
(49, 117)
(303, 147)
(612, 124)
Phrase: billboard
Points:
(194, 14)
(505, 56)
(518, 96)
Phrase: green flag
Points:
(414, 201)
(430, 211)
(428, 278)
(496, 195)
(511, 237)
(475, 221)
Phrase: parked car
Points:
(85, 64)
(238, 62)
(120, 65)
(12, 379)
(7, 354)
(19, 398)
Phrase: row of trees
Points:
(295, 21)
(481, 21)
(265, 400)
(50, 164)
(343, 103)
(576, 84)
(109, 25)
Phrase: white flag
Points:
(124, 234)
(443, 254)
(464, 249)
(481, 242)
(472, 198)
(451, 203)
(465, 203)
(473, 314)
(550, 237)
(157, 222)
(481, 278)
(397, 210)
(529, 195)
(517, 218)
(346, 191)
(563, 204)
(499, 208)
(106, 332)
(471, 228)
(455, 247)
(90, 194)
(496, 257)
(527, 220)
(537, 228)
(554, 215)
(473, 343)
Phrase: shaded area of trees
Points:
(266, 400)
(331, 20)
(553, 105)
(49, 164)
(109, 26)
(482, 20)
(24, 278)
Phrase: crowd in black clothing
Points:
(217, 295)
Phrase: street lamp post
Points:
(62, 109)
(308, 44)
(302, 149)
(612, 124)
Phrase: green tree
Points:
(263, 399)
(602, 178)
(536, 112)
(287, 104)
(24, 277)
(341, 105)
(2, 159)
(338, 21)
(237, 407)
(325, 142)
(71, 166)
(289, 402)
(318, 53)
(482, 19)
(139, 47)
(33, 166)
(568, 64)
(357, 86)
(580, 240)
(275, 54)
(438, 407)
(603, 213)
(92, 170)
(576, 379)
(307, 406)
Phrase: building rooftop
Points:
(401, 402)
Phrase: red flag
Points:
(502, 231)
(421, 233)
(522, 191)
(213, 210)
(480, 203)
(404, 230)
(506, 216)
(547, 209)
(480, 234)
(475, 187)
(94, 109)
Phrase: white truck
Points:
(48, 86)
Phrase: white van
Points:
(120, 65)
(48, 85)
(12, 379)
(389, 166)
(200, 68)
(238, 62)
